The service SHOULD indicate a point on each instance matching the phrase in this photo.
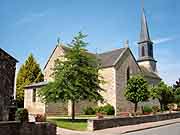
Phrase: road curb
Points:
(161, 125)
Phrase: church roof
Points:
(148, 73)
(8, 55)
(144, 35)
(108, 59)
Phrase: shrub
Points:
(155, 109)
(89, 111)
(100, 109)
(40, 118)
(22, 115)
(147, 109)
(107, 109)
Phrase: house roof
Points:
(147, 73)
(1, 50)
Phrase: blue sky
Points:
(33, 27)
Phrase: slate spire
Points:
(145, 43)
(144, 36)
(146, 57)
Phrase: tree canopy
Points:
(28, 73)
(177, 85)
(163, 93)
(137, 90)
(76, 78)
(177, 96)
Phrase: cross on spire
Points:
(142, 4)
(58, 40)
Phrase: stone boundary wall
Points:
(17, 128)
(97, 124)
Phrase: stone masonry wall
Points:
(59, 108)
(58, 54)
(80, 106)
(121, 80)
(109, 87)
(17, 128)
(33, 107)
(97, 124)
(38, 107)
(7, 75)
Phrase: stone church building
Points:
(7, 76)
(117, 66)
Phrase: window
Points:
(142, 51)
(151, 50)
(34, 95)
(128, 74)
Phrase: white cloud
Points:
(169, 72)
(31, 17)
(163, 40)
(160, 40)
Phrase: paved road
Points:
(173, 129)
(168, 127)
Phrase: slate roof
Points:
(109, 59)
(147, 73)
(36, 85)
(1, 50)
(106, 59)
(144, 36)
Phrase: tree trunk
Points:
(161, 105)
(73, 110)
(135, 107)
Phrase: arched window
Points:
(128, 73)
(142, 51)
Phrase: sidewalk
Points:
(119, 130)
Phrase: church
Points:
(117, 66)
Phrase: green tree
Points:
(137, 90)
(28, 73)
(176, 89)
(177, 85)
(76, 78)
(177, 96)
(163, 93)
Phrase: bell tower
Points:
(146, 58)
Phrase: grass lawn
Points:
(78, 124)
(77, 116)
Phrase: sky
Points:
(33, 26)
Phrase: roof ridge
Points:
(8, 55)
(98, 53)
(112, 50)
